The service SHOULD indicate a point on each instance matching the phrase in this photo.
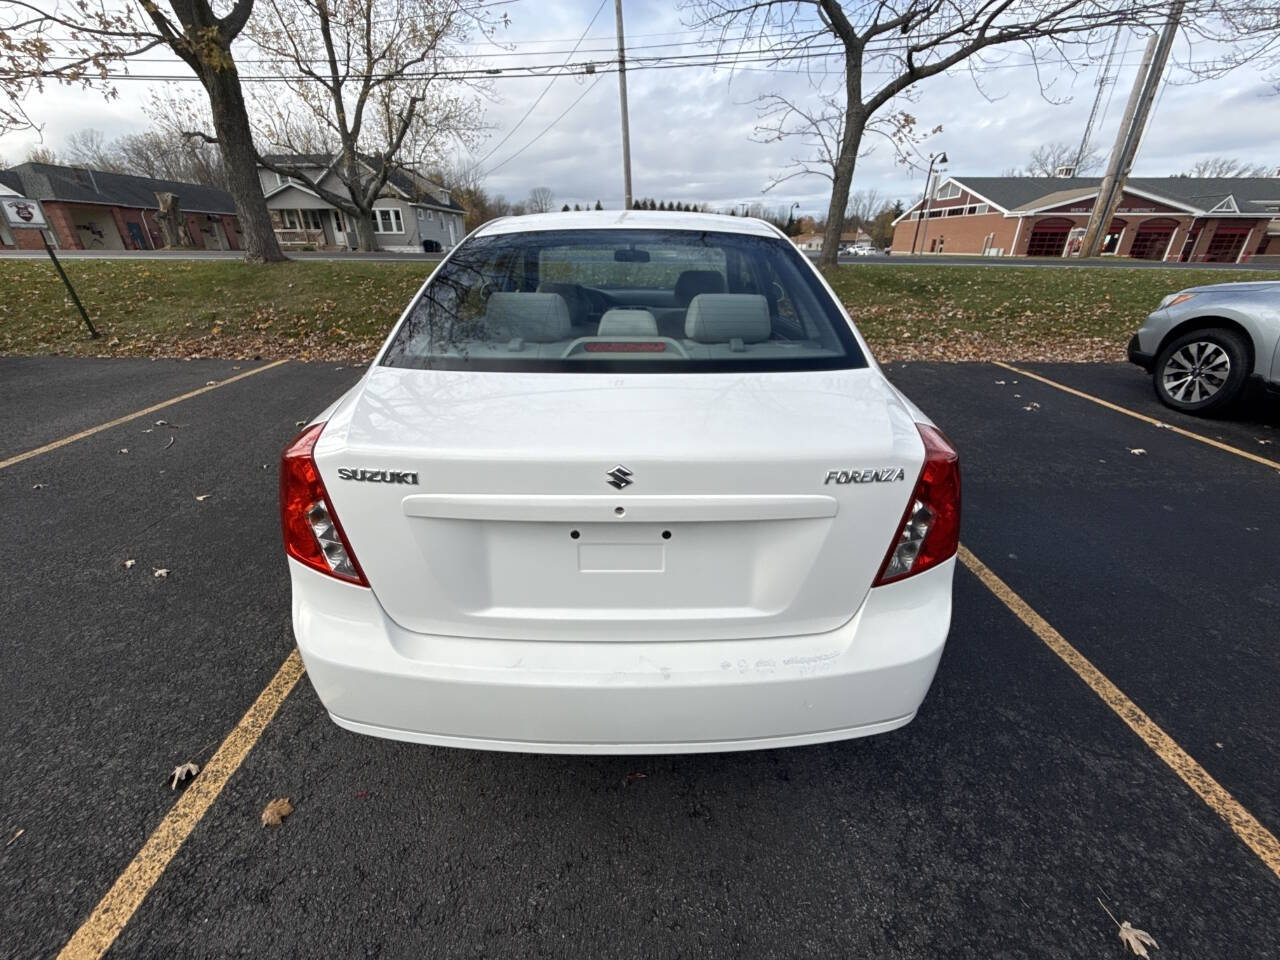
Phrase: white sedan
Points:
(622, 483)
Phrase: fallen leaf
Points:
(16, 834)
(37, 486)
(631, 778)
(1137, 451)
(1265, 443)
(124, 450)
(169, 444)
(210, 383)
(299, 423)
(159, 572)
(162, 423)
(128, 563)
(202, 497)
(181, 773)
(276, 811)
(1137, 940)
(999, 383)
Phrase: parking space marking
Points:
(48, 447)
(99, 932)
(1258, 838)
(1265, 461)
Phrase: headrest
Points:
(721, 317)
(627, 323)
(534, 317)
(693, 282)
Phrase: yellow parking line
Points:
(134, 416)
(113, 911)
(1265, 461)
(1260, 840)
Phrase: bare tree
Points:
(89, 148)
(371, 95)
(541, 200)
(863, 207)
(1228, 167)
(81, 42)
(42, 155)
(886, 47)
(1048, 158)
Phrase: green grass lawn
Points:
(343, 310)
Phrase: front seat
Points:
(733, 318)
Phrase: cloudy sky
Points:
(692, 129)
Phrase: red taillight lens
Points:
(930, 528)
(312, 534)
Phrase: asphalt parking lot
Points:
(989, 827)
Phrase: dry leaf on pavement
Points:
(16, 834)
(159, 572)
(181, 773)
(128, 563)
(1137, 940)
(276, 811)
(631, 778)
(1137, 451)
(202, 497)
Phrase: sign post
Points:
(21, 212)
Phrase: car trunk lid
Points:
(602, 507)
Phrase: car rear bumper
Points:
(868, 676)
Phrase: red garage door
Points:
(1152, 239)
(1049, 237)
(1227, 242)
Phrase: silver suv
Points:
(1203, 345)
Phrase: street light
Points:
(939, 158)
(791, 218)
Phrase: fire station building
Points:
(1188, 219)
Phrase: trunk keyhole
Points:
(666, 534)
(574, 534)
(620, 511)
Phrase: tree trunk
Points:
(364, 233)
(231, 123)
(855, 124)
(173, 225)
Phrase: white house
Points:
(413, 214)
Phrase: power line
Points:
(545, 129)
(545, 90)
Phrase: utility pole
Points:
(622, 96)
(1146, 84)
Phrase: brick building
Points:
(1159, 218)
(98, 210)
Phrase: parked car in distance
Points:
(1204, 345)
(857, 250)
(622, 483)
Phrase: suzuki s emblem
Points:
(619, 477)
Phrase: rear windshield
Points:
(633, 300)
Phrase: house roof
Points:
(416, 189)
(48, 181)
(1253, 195)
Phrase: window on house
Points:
(290, 219)
(311, 220)
(956, 211)
(947, 191)
(281, 180)
(387, 220)
(337, 222)
(981, 208)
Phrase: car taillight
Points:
(312, 533)
(930, 528)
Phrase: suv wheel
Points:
(1203, 371)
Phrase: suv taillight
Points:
(930, 528)
(312, 533)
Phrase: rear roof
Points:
(628, 220)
